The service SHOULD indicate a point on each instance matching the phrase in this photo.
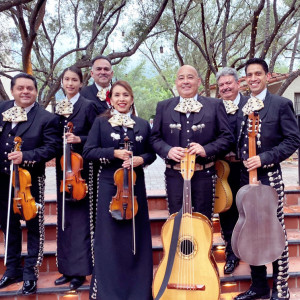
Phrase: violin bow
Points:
(64, 181)
(133, 209)
(8, 210)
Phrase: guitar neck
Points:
(187, 198)
(252, 151)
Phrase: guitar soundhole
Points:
(186, 247)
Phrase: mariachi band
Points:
(101, 147)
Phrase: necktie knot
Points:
(230, 107)
(64, 108)
(15, 114)
(253, 104)
(121, 120)
(188, 105)
(103, 95)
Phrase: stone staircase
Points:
(231, 285)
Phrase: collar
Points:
(195, 97)
(28, 108)
(115, 112)
(99, 88)
(261, 96)
(236, 101)
(74, 99)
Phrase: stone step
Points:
(50, 229)
(219, 246)
(158, 218)
(240, 279)
(49, 260)
(231, 285)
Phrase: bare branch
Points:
(7, 4)
(288, 81)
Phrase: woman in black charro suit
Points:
(74, 255)
(118, 273)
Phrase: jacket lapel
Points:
(262, 113)
(76, 109)
(9, 105)
(198, 116)
(24, 126)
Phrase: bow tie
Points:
(15, 114)
(230, 107)
(188, 105)
(103, 95)
(121, 120)
(253, 104)
(64, 108)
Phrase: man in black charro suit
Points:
(278, 139)
(200, 123)
(102, 74)
(228, 83)
(37, 128)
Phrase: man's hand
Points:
(252, 163)
(196, 148)
(16, 157)
(176, 153)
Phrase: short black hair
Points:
(258, 61)
(22, 75)
(100, 57)
(74, 69)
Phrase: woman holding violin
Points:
(74, 255)
(123, 251)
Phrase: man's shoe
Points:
(76, 282)
(6, 281)
(249, 295)
(230, 265)
(29, 287)
(62, 280)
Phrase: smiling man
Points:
(228, 84)
(102, 74)
(199, 123)
(278, 138)
(24, 117)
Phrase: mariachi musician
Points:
(277, 139)
(199, 122)
(228, 83)
(25, 118)
(98, 92)
(118, 273)
(74, 255)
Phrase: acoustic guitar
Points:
(258, 237)
(223, 196)
(193, 274)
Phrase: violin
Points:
(71, 164)
(23, 202)
(124, 204)
(193, 274)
